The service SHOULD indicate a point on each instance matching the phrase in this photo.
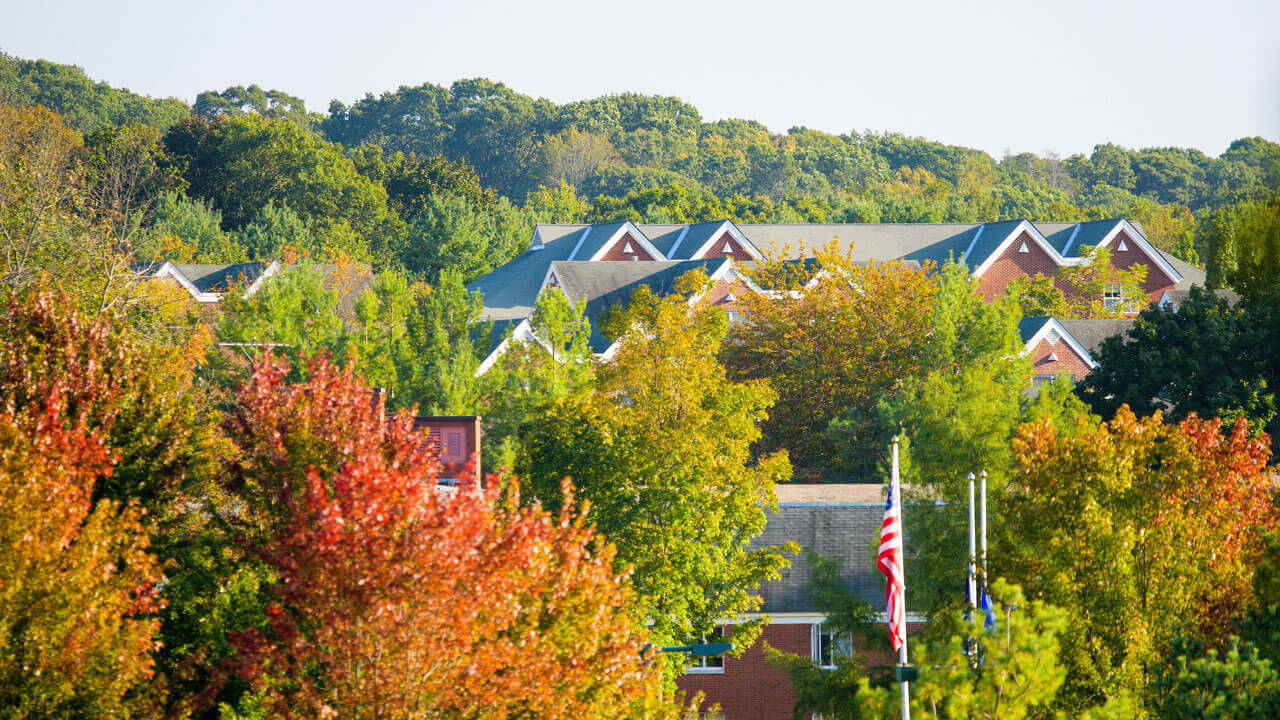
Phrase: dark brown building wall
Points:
(616, 251)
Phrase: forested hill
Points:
(644, 157)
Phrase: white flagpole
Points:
(902, 535)
(973, 586)
(985, 580)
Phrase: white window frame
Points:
(1113, 296)
(815, 642)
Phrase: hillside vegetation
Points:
(410, 176)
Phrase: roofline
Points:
(1023, 224)
(737, 235)
(640, 238)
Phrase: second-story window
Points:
(1112, 295)
(829, 645)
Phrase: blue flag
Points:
(990, 622)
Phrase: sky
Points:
(1003, 76)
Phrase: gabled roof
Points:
(1091, 333)
(207, 283)
(605, 285)
(1084, 336)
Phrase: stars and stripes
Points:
(889, 560)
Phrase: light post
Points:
(697, 650)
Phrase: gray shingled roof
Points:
(219, 278)
(837, 521)
(605, 285)
(1091, 333)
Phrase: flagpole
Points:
(902, 651)
(985, 580)
(973, 584)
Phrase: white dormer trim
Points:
(1144, 245)
(1071, 240)
(171, 271)
(679, 239)
(585, 232)
(1021, 227)
(1052, 325)
(270, 271)
(523, 332)
(548, 277)
(972, 244)
(718, 234)
(627, 227)
(535, 243)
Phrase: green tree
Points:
(241, 163)
(239, 100)
(274, 232)
(957, 416)
(452, 234)
(1208, 685)
(186, 230)
(1020, 676)
(1209, 358)
(1245, 242)
(662, 451)
(531, 376)
(831, 349)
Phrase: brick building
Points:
(571, 258)
(838, 521)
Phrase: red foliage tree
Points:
(1143, 531)
(78, 589)
(398, 598)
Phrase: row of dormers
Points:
(975, 244)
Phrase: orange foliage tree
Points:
(78, 589)
(1142, 530)
(398, 598)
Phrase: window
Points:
(735, 317)
(829, 644)
(1112, 295)
(713, 664)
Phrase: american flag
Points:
(889, 560)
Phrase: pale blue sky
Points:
(1018, 75)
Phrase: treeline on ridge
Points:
(430, 177)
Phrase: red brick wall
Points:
(719, 294)
(751, 688)
(1068, 361)
(1012, 264)
(716, 248)
(615, 251)
(1156, 283)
